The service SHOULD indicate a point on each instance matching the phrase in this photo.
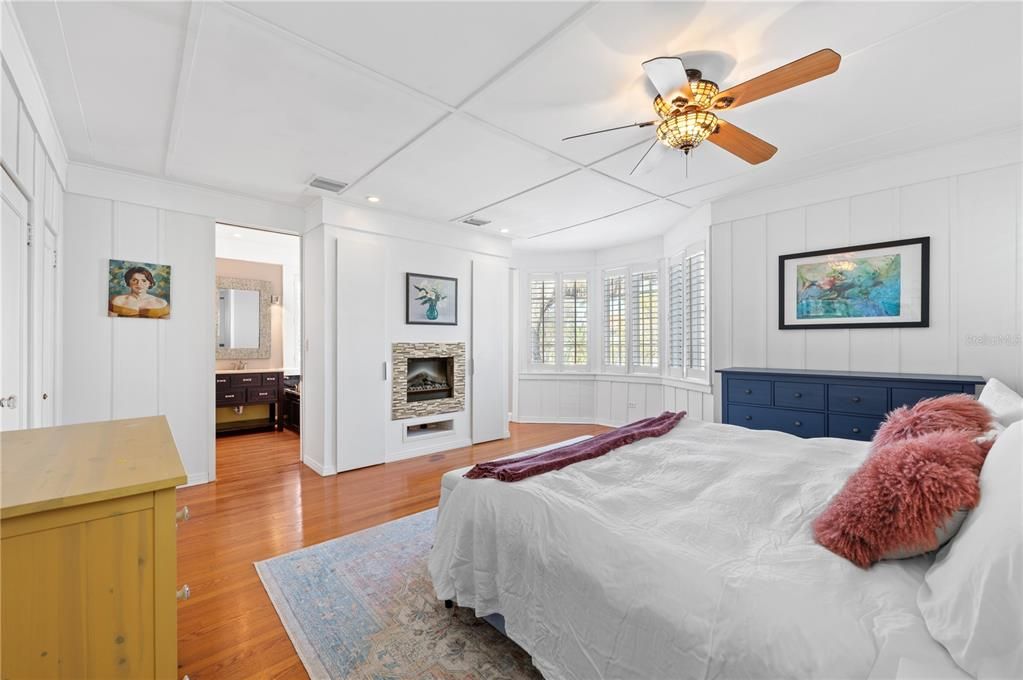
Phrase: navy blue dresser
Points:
(845, 404)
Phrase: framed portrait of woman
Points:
(139, 290)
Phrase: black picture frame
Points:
(924, 244)
(412, 318)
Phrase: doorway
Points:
(258, 308)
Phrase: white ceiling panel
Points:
(124, 58)
(263, 113)
(582, 196)
(643, 222)
(445, 49)
(456, 167)
(675, 173)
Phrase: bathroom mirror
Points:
(243, 318)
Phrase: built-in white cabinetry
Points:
(488, 365)
(362, 352)
(13, 303)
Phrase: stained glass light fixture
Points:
(685, 131)
(704, 92)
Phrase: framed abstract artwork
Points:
(431, 300)
(876, 285)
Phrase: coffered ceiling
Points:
(446, 110)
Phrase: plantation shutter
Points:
(574, 320)
(676, 316)
(615, 319)
(696, 312)
(645, 329)
(542, 320)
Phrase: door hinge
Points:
(54, 259)
(28, 232)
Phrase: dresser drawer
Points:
(853, 427)
(258, 394)
(749, 391)
(858, 399)
(246, 380)
(271, 379)
(222, 381)
(907, 396)
(799, 395)
(230, 397)
(803, 424)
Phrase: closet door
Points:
(362, 356)
(489, 350)
(13, 306)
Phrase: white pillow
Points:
(1005, 405)
(972, 596)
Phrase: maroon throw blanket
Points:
(515, 469)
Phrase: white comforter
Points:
(687, 556)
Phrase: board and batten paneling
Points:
(974, 224)
(125, 368)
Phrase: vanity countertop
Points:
(227, 371)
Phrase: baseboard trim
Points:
(439, 444)
(317, 468)
(199, 478)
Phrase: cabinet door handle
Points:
(228, 396)
(184, 593)
(183, 515)
(748, 391)
(9, 402)
(856, 430)
(798, 424)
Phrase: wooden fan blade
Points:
(668, 75)
(651, 158)
(620, 127)
(810, 67)
(749, 148)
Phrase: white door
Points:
(48, 342)
(13, 305)
(362, 370)
(489, 350)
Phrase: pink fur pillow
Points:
(901, 496)
(950, 412)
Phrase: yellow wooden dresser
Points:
(87, 551)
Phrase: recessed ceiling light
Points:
(373, 199)
(505, 230)
(237, 234)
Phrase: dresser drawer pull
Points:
(221, 380)
(246, 379)
(855, 400)
(796, 395)
(856, 430)
(798, 423)
(184, 593)
(183, 515)
(263, 394)
(228, 396)
(747, 391)
(749, 417)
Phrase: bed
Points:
(686, 556)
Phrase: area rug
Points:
(363, 606)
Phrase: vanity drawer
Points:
(258, 394)
(799, 395)
(802, 424)
(853, 427)
(246, 380)
(230, 397)
(222, 381)
(271, 379)
(858, 399)
(749, 391)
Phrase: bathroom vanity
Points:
(242, 388)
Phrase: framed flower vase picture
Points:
(431, 300)
(877, 285)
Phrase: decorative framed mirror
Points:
(243, 318)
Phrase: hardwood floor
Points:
(265, 503)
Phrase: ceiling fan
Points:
(686, 106)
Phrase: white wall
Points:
(409, 245)
(967, 199)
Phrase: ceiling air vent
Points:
(324, 184)
(475, 221)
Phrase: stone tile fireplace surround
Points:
(450, 360)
